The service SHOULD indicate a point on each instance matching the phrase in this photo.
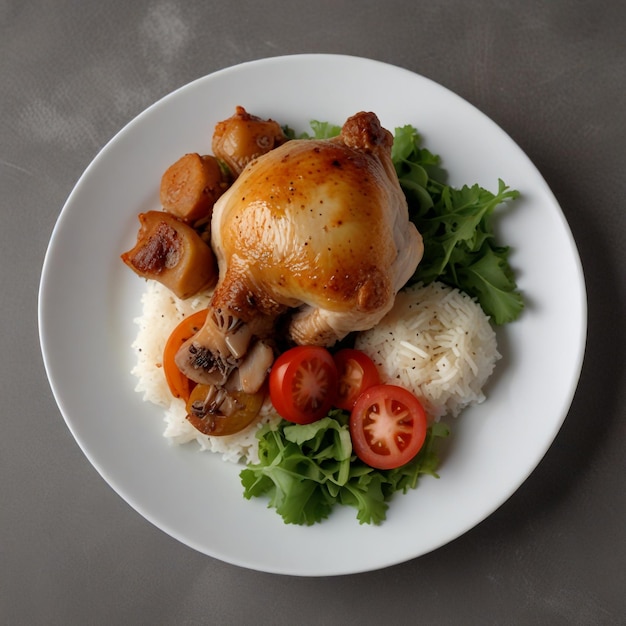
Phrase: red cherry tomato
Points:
(388, 426)
(356, 373)
(303, 384)
(179, 384)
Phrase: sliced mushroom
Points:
(254, 367)
(206, 357)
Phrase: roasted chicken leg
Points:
(317, 230)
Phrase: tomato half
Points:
(179, 384)
(303, 384)
(356, 372)
(388, 426)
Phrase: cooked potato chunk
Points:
(171, 252)
(243, 137)
(190, 187)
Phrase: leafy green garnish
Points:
(323, 130)
(306, 470)
(320, 130)
(456, 224)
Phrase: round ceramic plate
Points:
(88, 300)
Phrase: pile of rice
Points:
(161, 313)
(436, 342)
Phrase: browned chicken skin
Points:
(319, 227)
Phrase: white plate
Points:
(88, 300)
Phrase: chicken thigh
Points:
(315, 229)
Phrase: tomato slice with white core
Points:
(303, 384)
(180, 386)
(387, 426)
(356, 373)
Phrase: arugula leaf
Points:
(366, 495)
(285, 477)
(324, 130)
(490, 279)
(456, 224)
(306, 470)
(320, 130)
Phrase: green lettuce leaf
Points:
(457, 226)
(304, 471)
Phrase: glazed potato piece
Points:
(171, 252)
(190, 187)
(244, 137)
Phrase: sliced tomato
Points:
(388, 426)
(356, 372)
(303, 384)
(243, 409)
(179, 384)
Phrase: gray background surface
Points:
(73, 73)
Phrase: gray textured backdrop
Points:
(73, 73)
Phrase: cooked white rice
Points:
(162, 311)
(437, 342)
